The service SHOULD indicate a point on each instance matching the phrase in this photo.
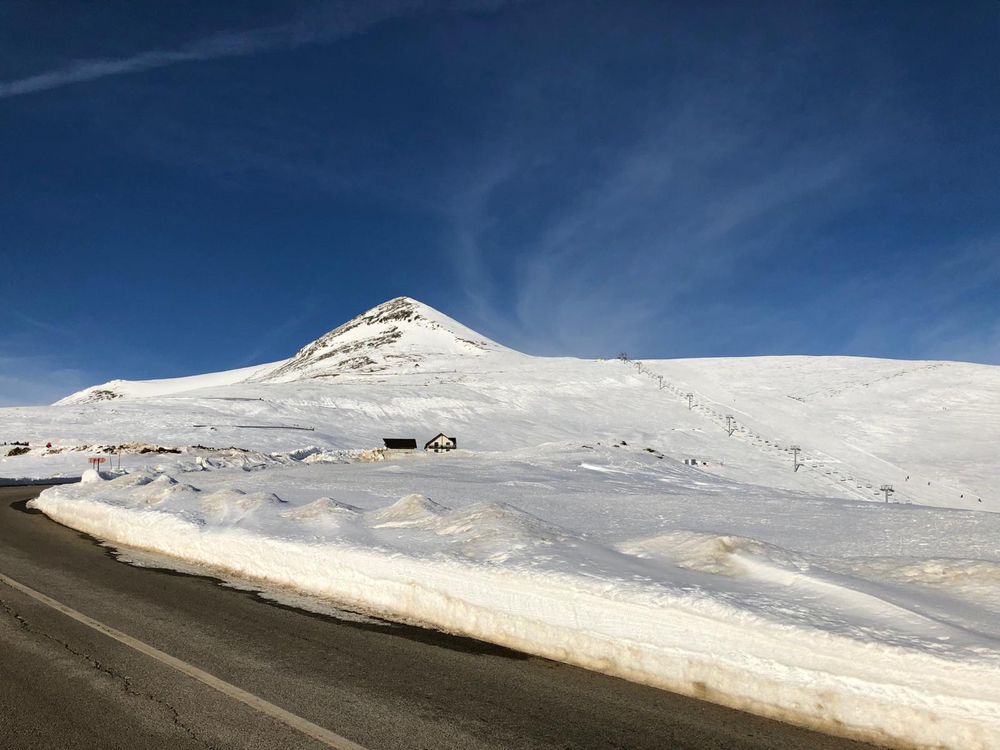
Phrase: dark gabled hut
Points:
(400, 444)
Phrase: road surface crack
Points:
(125, 680)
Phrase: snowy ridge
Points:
(116, 389)
(849, 391)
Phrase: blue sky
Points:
(196, 186)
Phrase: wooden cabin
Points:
(440, 443)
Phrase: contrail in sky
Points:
(331, 22)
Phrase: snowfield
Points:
(593, 514)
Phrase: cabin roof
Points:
(400, 443)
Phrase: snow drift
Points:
(863, 647)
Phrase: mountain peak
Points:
(398, 308)
(400, 335)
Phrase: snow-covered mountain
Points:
(716, 527)
(404, 369)
(398, 336)
(115, 389)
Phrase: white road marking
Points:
(306, 727)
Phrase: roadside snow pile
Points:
(711, 553)
(415, 511)
(324, 510)
(498, 532)
(90, 476)
(68, 461)
(786, 605)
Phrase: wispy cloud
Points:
(692, 212)
(329, 22)
(37, 324)
(644, 251)
(37, 380)
(955, 318)
(279, 335)
(80, 71)
(952, 341)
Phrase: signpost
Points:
(96, 462)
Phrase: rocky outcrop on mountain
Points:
(398, 336)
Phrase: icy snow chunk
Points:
(719, 554)
(974, 581)
(411, 510)
(323, 509)
(134, 479)
(91, 475)
(935, 572)
(496, 531)
(299, 454)
(233, 506)
(160, 490)
(326, 457)
(500, 519)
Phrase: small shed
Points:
(400, 444)
(441, 442)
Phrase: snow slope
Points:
(403, 369)
(871, 620)
(928, 428)
(569, 524)
(114, 389)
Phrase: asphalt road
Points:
(64, 684)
